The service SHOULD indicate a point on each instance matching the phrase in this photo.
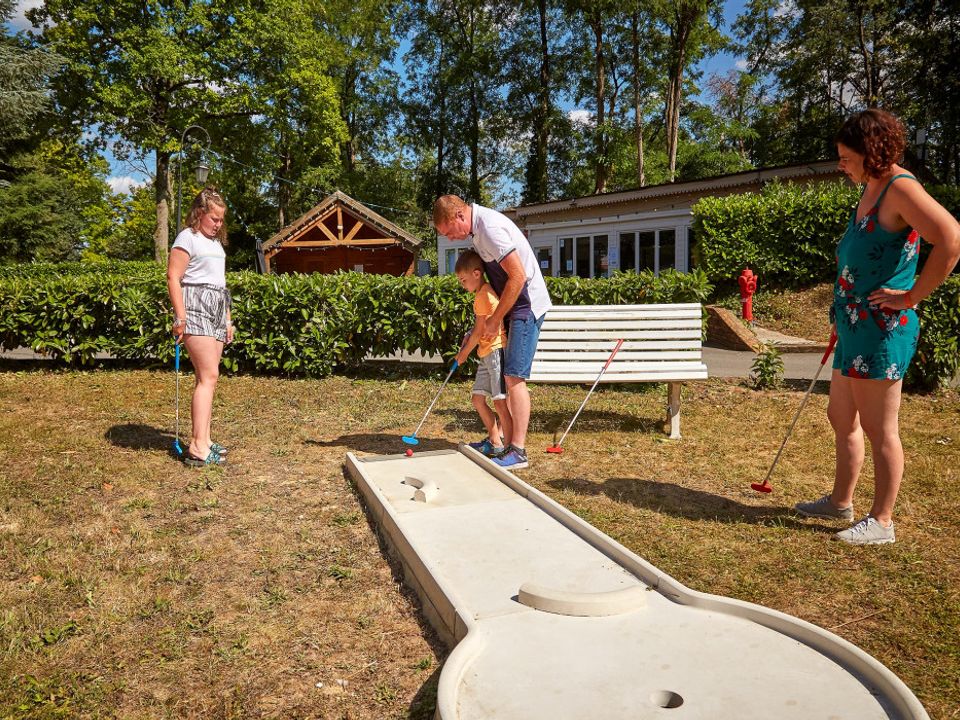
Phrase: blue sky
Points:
(124, 175)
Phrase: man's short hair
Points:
(468, 260)
(446, 207)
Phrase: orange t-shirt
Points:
(484, 303)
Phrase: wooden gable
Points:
(338, 234)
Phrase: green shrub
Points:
(72, 269)
(766, 373)
(786, 233)
(291, 324)
(937, 360)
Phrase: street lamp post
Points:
(202, 169)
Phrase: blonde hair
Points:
(446, 207)
(201, 205)
(469, 260)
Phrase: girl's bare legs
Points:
(848, 437)
(879, 404)
(205, 355)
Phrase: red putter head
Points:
(762, 487)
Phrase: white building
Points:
(644, 229)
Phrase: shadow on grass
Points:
(382, 443)
(549, 422)
(423, 706)
(136, 436)
(686, 503)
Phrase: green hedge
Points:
(292, 324)
(786, 233)
(937, 360)
(39, 270)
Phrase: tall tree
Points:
(24, 89)
(692, 27)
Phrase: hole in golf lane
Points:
(666, 699)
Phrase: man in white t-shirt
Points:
(515, 276)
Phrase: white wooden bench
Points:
(662, 343)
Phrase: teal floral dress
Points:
(873, 342)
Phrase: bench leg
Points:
(673, 409)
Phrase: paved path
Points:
(720, 363)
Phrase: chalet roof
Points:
(319, 212)
(747, 177)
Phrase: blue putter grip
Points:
(176, 356)
(455, 365)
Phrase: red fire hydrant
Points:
(748, 286)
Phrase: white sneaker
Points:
(868, 531)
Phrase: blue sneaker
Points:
(487, 448)
(513, 459)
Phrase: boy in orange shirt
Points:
(489, 382)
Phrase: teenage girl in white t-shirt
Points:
(196, 281)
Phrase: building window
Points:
(667, 249)
(450, 262)
(628, 251)
(566, 257)
(601, 264)
(693, 254)
(582, 257)
(545, 260)
(647, 253)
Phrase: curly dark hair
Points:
(877, 135)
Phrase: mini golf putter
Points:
(550, 619)
(412, 439)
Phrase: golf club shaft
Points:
(602, 371)
(449, 375)
(833, 340)
(176, 364)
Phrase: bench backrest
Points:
(662, 343)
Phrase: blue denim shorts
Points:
(522, 337)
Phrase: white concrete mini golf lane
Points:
(549, 618)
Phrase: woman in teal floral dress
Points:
(874, 316)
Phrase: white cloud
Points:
(19, 21)
(123, 184)
(580, 117)
(742, 64)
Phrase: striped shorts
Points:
(206, 307)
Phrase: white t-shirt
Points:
(494, 237)
(208, 261)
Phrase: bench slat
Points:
(601, 334)
(618, 366)
(624, 323)
(622, 356)
(587, 378)
(564, 345)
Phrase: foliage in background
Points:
(937, 360)
(786, 233)
(289, 324)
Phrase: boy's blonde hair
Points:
(468, 260)
(446, 207)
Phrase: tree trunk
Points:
(537, 183)
(161, 194)
(637, 110)
(441, 125)
(283, 189)
(600, 144)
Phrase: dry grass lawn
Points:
(133, 587)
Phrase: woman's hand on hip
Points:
(891, 299)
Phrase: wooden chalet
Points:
(340, 234)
